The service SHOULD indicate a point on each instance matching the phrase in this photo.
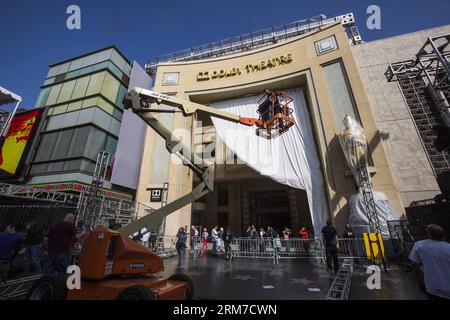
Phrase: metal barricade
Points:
(351, 248)
(252, 248)
(277, 248)
(300, 248)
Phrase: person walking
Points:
(227, 238)
(286, 234)
(220, 243)
(10, 244)
(33, 243)
(329, 234)
(145, 236)
(181, 241)
(61, 237)
(205, 240)
(431, 263)
(214, 237)
(193, 237)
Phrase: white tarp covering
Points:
(289, 159)
(358, 219)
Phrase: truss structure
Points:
(33, 193)
(425, 83)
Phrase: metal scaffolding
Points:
(257, 39)
(425, 83)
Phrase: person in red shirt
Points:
(61, 238)
(304, 234)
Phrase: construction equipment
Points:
(275, 118)
(113, 266)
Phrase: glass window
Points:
(118, 60)
(66, 91)
(63, 68)
(95, 84)
(103, 55)
(43, 95)
(49, 81)
(74, 106)
(78, 143)
(62, 144)
(101, 65)
(59, 109)
(90, 60)
(341, 98)
(80, 88)
(120, 96)
(110, 87)
(46, 147)
(118, 114)
(55, 166)
(52, 71)
(111, 145)
(72, 165)
(73, 74)
(105, 106)
(87, 166)
(90, 102)
(53, 96)
(76, 64)
(39, 168)
(95, 143)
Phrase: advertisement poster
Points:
(16, 141)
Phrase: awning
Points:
(7, 97)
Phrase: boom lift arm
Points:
(141, 101)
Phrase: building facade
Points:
(83, 98)
(322, 63)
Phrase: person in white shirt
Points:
(214, 237)
(145, 236)
(431, 261)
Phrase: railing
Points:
(348, 248)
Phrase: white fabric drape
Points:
(289, 159)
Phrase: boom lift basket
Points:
(275, 115)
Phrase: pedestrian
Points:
(205, 239)
(330, 240)
(431, 263)
(214, 237)
(61, 237)
(10, 244)
(220, 243)
(33, 243)
(286, 234)
(304, 234)
(145, 236)
(181, 241)
(193, 237)
(227, 238)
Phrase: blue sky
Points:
(34, 33)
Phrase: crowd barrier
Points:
(280, 248)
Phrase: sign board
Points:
(156, 194)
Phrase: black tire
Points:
(49, 288)
(188, 280)
(137, 292)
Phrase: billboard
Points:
(15, 144)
